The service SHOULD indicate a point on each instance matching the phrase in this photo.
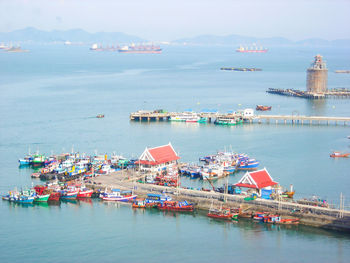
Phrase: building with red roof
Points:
(156, 159)
(256, 180)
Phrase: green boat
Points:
(38, 159)
(203, 120)
(42, 198)
(228, 121)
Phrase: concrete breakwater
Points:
(309, 215)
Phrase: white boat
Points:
(115, 195)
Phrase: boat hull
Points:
(120, 199)
(42, 198)
(85, 194)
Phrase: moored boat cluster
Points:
(74, 165)
(220, 165)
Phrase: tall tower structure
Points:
(317, 75)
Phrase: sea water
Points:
(51, 95)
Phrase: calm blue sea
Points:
(51, 95)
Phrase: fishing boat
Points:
(222, 213)
(84, 193)
(339, 154)
(139, 203)
(176, 206)
(248, 164)
(259, 216)
(27, 160)
(69, 194)
(263, 108)
(23, 199)
(228, 121)
(116, 195)
(154, 199)
(42, 198)
(271, 219)
(38, 159)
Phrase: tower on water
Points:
(317, 75)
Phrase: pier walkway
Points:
(309, 215)
(278, 119)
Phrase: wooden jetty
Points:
(330, 218)
(277, 119)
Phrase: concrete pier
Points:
(309, 215)
(278, 119)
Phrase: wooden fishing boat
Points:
(222, 213)
(139, 203)
(69, 194)
(263, 108)
(116, 195)
(84, 193)
(339, 154)
(176, 206)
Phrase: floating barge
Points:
(242, 69)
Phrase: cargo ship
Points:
(140, 49)
(253, 49)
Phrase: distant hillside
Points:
(31, 34)
(74, 35)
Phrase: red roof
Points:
(160, 155)
(257, 180)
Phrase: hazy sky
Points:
(172, 19)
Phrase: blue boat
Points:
(28, 160)
(230, 169)
(250, 164)
(23, 199)
(69, 194)
(157, 198)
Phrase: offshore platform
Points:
(316, 84)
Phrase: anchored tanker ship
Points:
(141, 49)
(253, 49)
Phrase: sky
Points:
(174, 19)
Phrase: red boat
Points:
(339, 154)
(41, 189)
(176, 206)
(223, 213)
(85, 193)
(263, 108)
(54, 196)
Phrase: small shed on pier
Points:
(259, 180)
(158, 158)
